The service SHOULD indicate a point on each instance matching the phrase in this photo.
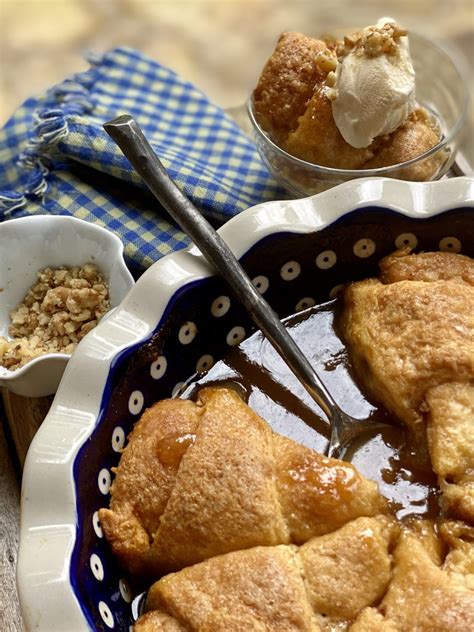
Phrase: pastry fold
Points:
(201, 479)
(370, 575)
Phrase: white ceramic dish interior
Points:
(65, 584)
(29, 244)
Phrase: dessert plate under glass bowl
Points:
(178, 319)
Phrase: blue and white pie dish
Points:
(178, 320)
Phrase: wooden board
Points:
(24, 417)
(10, 617)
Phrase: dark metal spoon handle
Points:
(126, 132)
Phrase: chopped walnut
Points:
(330, 79)
(326, 61)
(56, 313)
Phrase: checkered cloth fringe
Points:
(56, 158)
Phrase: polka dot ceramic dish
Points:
(178, 320)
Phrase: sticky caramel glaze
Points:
(171, 448)
(263, 380)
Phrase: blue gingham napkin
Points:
(56, 158)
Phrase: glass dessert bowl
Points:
(307, 152)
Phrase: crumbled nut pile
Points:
(56, 313)
(373, 40)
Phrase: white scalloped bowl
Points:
(170, 325)
(29, 244)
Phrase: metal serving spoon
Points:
(126, 132)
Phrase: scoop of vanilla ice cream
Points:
(373, 94)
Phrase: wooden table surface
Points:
(157, 28)
(20, 417)
(9, 535)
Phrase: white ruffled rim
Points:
(48, 504)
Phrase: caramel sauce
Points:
(333, 482)
(171, 448)
(264, 381)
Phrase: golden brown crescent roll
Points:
(344, 580)
(326, 582)
(200, 479)
(287, 83)
(412, 331)
(408, 337)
